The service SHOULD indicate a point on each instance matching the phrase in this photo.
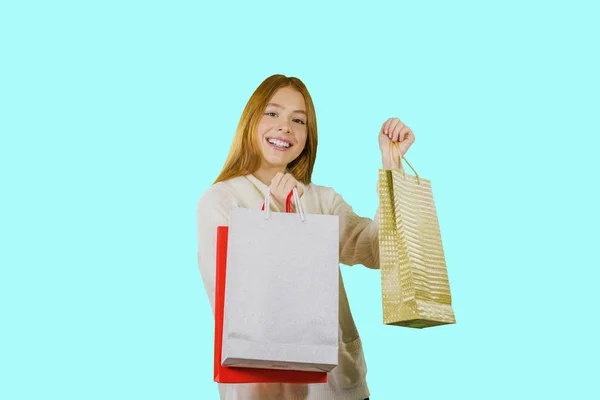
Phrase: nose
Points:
(284, 127)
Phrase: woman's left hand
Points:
(394, 130)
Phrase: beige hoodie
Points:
(358, 245)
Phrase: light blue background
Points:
(116, 116)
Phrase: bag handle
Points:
(288, 203)
(401, 158)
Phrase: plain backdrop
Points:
(116, 116)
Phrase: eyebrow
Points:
(278, 105)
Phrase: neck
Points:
(266, 174)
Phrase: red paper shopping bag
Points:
(245, 375)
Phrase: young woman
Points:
(275, 148)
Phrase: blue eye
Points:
(299, 121)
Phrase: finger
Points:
(404, 146)
(283, 184)
(276, 180)
(410, 136)
(386, 127)
(287, 177)
(396, 128)
(393, 122)
(289, 184)
(407, 142)
(275, 187)
(402, 135)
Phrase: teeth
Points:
(279, 143)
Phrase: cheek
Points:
(263, 126)
(302, 140)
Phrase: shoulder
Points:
(214, 193)
(221, 195)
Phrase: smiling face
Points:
(282, 129)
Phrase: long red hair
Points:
(244, 155)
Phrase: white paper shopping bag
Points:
(281, 291)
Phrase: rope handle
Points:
(401, 158)
(288, 204)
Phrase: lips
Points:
(279, 143)
(279, 139)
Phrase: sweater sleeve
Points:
(213, 210)
(359, 236)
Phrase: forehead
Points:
(290, 98)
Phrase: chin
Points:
(276, 163)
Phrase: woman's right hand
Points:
(281, 186)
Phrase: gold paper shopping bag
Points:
(414, 279)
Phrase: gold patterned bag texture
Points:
(414, 279)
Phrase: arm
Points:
(213, 210)
(359, 236)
